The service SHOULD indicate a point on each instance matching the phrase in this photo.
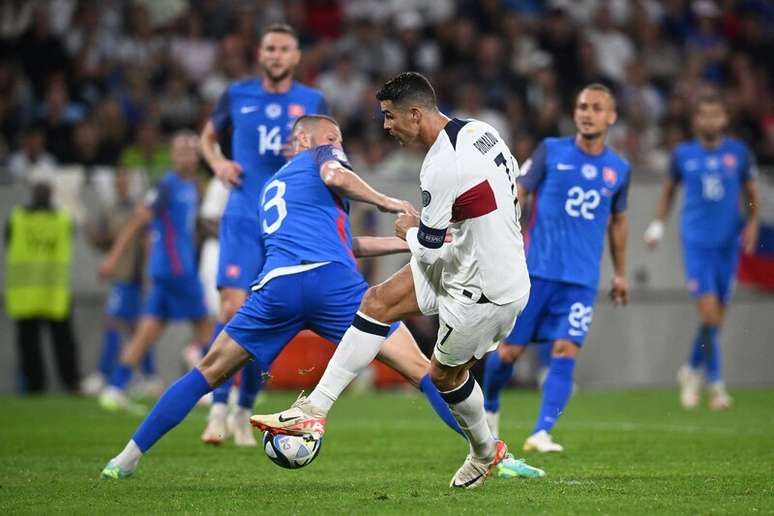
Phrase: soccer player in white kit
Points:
(476, 281)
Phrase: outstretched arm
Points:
(348, 184)
(369, 246)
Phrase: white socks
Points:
(129, 458)
(466, 403)
(358, 348)
(218, 411)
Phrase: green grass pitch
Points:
(626, 452)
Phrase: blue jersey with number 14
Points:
(260, 123)
(302, 220)
(574, 194)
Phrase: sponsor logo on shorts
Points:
(232, 271)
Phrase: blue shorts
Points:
(324, 300)
(241, 252)
(124, 301)
(176, 299)
(555, 310)
(711, 270)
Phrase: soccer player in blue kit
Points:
(176, 293)
(256, 116)
(715, 170)
(309, 281)
(579, 188)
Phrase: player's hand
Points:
(392, 205)
(403, 223)
(107, 268)
(619, 292)
(750, 236)
(230, 172)
(654, 233)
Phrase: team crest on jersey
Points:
(296, 110)
(729, 160)
(609, 175)
(426, 198)
(273, 110)
(712, 163)
(589, 171)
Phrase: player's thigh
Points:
(269, 319)
(224, 358)
(572, 311)
(148, 332)
(565, 348)
(401, 352)
(427, 285)
(241, 252)
(710, 309)
(468, 331)
(699, 267)
(392, 300)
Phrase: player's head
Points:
(405, 100)
(184, 152)
(594, 111)
(710, 117)
(279, 54)
(310, 131)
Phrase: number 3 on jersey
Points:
(581, 203)
(277, 201)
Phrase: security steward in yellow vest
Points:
(38, 258)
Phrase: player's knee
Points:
(565, 349)
(509, 354)
(373, 304)
(230, 303)
(445, 379)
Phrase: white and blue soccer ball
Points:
(290, 451)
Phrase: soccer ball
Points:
(290, 451)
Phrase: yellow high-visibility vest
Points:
(38, 256)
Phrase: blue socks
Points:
(148, 364)
(171, 409)
(111, 346)
(706, 351)
(122, 373)
(497, 374)
(252, 384)
(438, 404)
(557, 390)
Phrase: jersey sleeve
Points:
(322, 107)
(156, 196)
(533, 170)
(621, 197)
(749, 168)
(325, 153)
(674, 168)
(439, 190)
(221, 115)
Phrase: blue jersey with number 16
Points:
(574, 194)
(302, 220)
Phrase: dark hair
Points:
(408, 87)
(282, 28)
(709, 98)
(597, 86)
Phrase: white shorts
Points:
(466, 329)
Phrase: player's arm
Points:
(228, 171)
(531, 174)
(617, 233)
(426, 235)
(368, 246)
(655, 230)
(346, 183)
(139, 219)
(751, 203)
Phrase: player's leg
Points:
(114, 397)
(401, 353)
(221, 361)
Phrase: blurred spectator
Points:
(87, 149)
(178, 107)
(90, 46)
(419, 53)
(190, 51)
(372, 52)
(706, 41)
(59, 115)
(41, 53)
(139, 46)
(613, 47)
(470, 104)
(148, 152)
(638, 93)
(113, 131)
(31, 155)
(38, 260)
(341, 86)
(231, 65)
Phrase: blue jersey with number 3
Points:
(302, 220)
(713, 179)
(574, 194)
(259, 123)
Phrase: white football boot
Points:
(238, 424)
(216, 431)
(302, 418)
(93, 384)
(493, 420)
(542, 442)
(719, 397)
(474, 470)
(113, 399)
(690, 386)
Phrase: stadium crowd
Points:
(105, 83)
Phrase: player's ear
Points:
(416, 115)
(612, 117)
